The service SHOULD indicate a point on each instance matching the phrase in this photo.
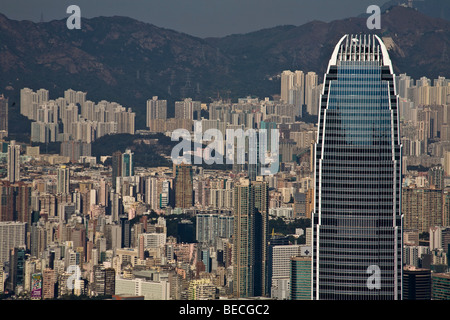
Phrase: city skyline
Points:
(171, 199)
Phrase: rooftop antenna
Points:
(294, 60)
(188, 80)
(172, 78)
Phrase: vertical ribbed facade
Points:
(250, 238)
(243, 240)
(184, 186)
(357, 222)
(300, 276)
(13, 173)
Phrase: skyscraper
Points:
(422, 208)
(17, 265)
(15, 204)
(104, 280)
(250, 238)
(3, 116)
(311, 83)
(261, 208)
(357, 221)
(122, 166)
(293, 89)
(13, 162)
(12, 234)
(116, 167)
(151, 192)
(183, 186)
(156, 110)
(187, 109)
(128, 163)
(63, 180)
(300, 277)
(49, 278)
(287, 82)
(243, 246)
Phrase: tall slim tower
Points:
(261, 207)
(3, 116)
(250, 238)
(243, 243)
(357, 221)
(183, 186)
(116, 167)
(13, 162)
(311, 82)
(63, 180)
(287, 82)
(128, 163)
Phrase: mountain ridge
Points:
(128, 61)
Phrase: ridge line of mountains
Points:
(127, 61)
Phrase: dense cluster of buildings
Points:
(102, 220)
(369, 181)
(72, 117)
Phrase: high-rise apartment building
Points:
(15, 202)
(151, 192)
(104, 281)
(122, 166)
(49, 278)
(436, 177)
(243, 240)
(439, 238)
(75, 149)
(293, 89)
(422, 208)
(311, 93)
(357, 221)
(156, 110)
(13, 162)
(187, 109)
(287, 82)
(3, 116)
(250, 238)
(63, 177)
(211, 226)
(184, 186)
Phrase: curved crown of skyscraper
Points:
(357, 223)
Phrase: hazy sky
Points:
(203, 18)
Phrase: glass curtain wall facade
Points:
(357, 222)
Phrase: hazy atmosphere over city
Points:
(200, 18)
(224, 158)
